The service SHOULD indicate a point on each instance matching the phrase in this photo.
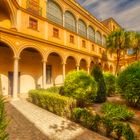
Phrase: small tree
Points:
(81, 86)
(101, 87)
(110, 81)
(136, 44)
(128, 84)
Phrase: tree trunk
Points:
(136, 58)
(118, 60)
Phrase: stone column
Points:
(64, 71)
(88, 69)
(44, 74)
(78, 67)
(15, 77)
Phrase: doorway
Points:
(10, 84)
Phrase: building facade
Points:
(42, 40)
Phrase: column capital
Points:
(16, 58)
(63, 63)
(44, 61)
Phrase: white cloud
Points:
(127, 16)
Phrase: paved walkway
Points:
(50, 125)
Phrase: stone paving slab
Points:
(53, 126)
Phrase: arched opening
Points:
(54, 70)
(104, 40)
(83, 65)
(106, 68)
(5, 17)
(6, 68)
(91, 66)
(111, 68)
(30, 70)
(70, 21)
(54, 12)
(82, 28)
(91, 33)
(98, 37)
(70, 64)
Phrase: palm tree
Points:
(136, 44)
(118, 42)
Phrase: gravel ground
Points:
(20, 128)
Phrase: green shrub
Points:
(110, 83)
(3, 120)
(128, 83)
(55, 103)
(124, 130)
(108, 124)
(54, 89)
(101, 87)
(116, 112)
(80, 86)
(84, 117)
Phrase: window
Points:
(83, 44)
(100, 50)
(92, 48)
(82, 29)
(48, 74)
(104, 41)
(55, 33)
(33, 23)
(70, 21)
(91, 33)
(33, 7)
(114, 28)
(71, 39)
(98, 37)
(54, 12)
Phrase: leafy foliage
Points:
(3, 121)
(0, 86)
(124, 130)
(101, 87)
(128, 83)
(116, 112)
(110, 81)
(80, 86)
(136, 44)
(55, 103)
(118, 42)
(84, 117)
(54, 89)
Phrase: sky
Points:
(125, 12)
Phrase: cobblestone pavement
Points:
(29, 122)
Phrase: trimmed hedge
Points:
(116, 112)
(110, 81)
(55, 103)
(128, 84)
(0, 86)
(3, 120)
(54, 89)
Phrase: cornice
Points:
(43, 41)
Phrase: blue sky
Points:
(125, 12)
